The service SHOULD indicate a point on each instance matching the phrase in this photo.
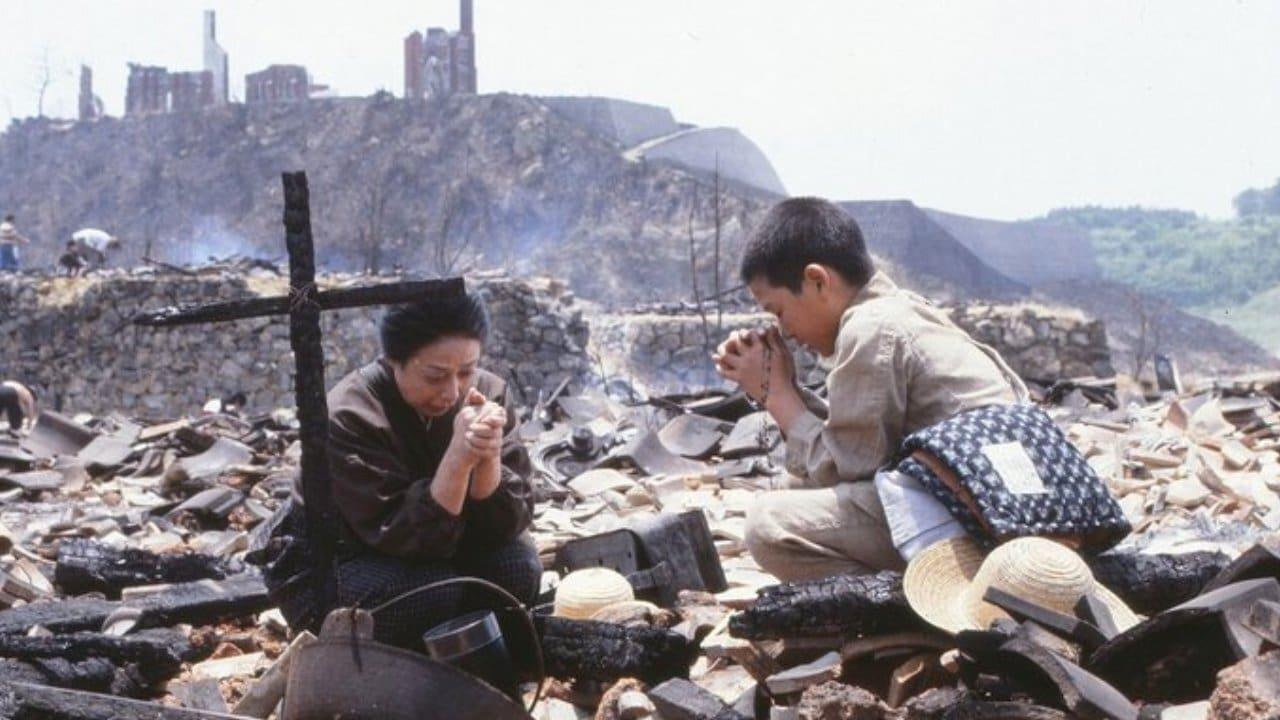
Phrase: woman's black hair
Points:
(409, 327)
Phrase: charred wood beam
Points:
(92, 674)
(196, 603)
(1150, 584)
(841, 605)
(86, 566)
(588, 650)
(160, 653)
(385, 294)
(309, 388)
(203, 602)
(30, 701)
(59, 616)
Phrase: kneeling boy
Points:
(899, 365)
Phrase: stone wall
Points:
(667, 352)
(71, 339)
(1040, 343)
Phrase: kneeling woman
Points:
(428, 480)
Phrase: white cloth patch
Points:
(916, 519)
(1015, 468)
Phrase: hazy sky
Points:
(1002, 109)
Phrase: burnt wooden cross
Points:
(303, 305)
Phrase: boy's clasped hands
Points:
(760, 362)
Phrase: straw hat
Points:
(945, 582)
(583, 592)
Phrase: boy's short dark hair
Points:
(803, 231)
(8, 218)
(407, 328)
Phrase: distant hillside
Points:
(1030, 251)
(474, 181)
(604, 194)
(1258, 318)
(905, 234)
(1135, 319)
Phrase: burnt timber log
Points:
(196, 603)
(86, 566)
(1151, 584)
(308, 385)
(588, 650)
(95, 675)
(841, 605)
(59, 616)
(159, 653)
(28, 701)
(338, 299)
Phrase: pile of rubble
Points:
(124, 572)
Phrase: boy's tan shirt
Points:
(900, 365)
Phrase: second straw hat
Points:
(583, 592)
(945, 582)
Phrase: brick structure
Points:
(441, 63)
(190, 90)
(90, 106)
(153, 89)
(277, 83)
(147, 90)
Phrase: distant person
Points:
(17, 403)
(10, 239)
(70, 261)
(898, 365)
(94, 244)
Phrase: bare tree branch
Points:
(693, 272)
(45, 74)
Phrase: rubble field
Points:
(124, 574)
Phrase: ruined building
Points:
(215, 59)
(441, 63)
(153, 89)
(278, 83)
(147, 91)
(90, 104)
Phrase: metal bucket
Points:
(473, 642)
(361, 679)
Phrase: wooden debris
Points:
(607, 652)
(35, 701)
(842, 605)
(87, 566)
(1149, 584)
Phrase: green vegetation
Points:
(1191, 261)
(1258, 319)
(1259, 202)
